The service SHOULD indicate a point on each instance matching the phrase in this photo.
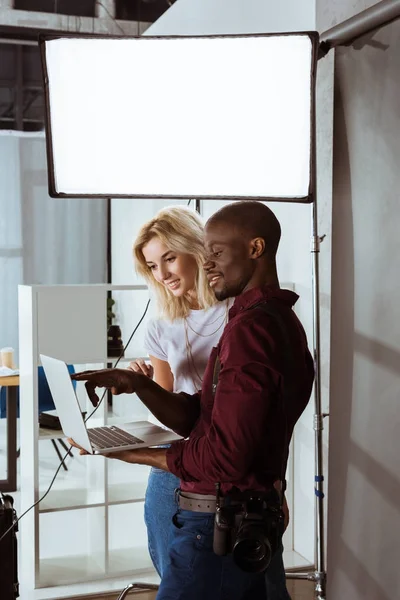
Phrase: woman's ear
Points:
(257, 248)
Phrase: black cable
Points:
(37, 501)
(69, 449)
(121, 356)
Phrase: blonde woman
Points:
(169, 254)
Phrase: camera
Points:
(251, 530)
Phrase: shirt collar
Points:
(261, 294)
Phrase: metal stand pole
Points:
(319, 575)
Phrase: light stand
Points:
(319, 574)
(343, 34)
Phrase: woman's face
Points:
(176, 270)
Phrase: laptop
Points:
(97, 440)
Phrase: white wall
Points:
(364, 484)
(42, 240)
(247, 16)
(192, 17)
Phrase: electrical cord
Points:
(14, 523)
(121, 355)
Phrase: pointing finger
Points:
(90, 389)
(82, 375)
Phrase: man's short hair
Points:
(252, 219)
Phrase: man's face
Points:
(229, 267)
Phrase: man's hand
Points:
(119, 381)
(178, 412)
(153, 457)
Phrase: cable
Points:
(69, 449)
(37, 501)
(121, 356)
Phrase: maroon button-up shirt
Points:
(240, 439)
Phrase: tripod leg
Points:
(59, 455)
(69, 450)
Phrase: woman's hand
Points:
(139, 366)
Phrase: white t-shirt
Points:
(169, 341)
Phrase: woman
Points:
(169, 254)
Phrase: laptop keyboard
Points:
(111, 437)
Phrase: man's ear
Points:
(257, 248)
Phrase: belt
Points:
(197, 502)
(202, 502)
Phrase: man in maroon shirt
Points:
(238, 428)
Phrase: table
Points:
(11, 383)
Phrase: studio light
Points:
(181, 117)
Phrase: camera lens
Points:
(252, 553)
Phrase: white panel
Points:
(72, 322)
(237, 121)
(29, 471)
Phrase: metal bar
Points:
(136, 586)
(106, 8)
(320, 575)
(25, 120)
(300, 575)
(19, 90)
(18, 42)
(9, 83)
(368, 20)
(34, 96)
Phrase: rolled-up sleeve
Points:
(247, 382)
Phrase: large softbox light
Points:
(181, 117)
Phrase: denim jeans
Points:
(159, 508)
(167, 541)
(195, 572)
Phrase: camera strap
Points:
(272, 309)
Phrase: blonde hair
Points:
(181, 230)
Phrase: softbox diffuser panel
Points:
(181, 117)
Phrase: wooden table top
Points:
(12, 380)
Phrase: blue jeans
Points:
(159, 508)
(163, 537)
(195, 572)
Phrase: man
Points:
(256, 385)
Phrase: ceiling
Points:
(21, 86)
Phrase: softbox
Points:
(228, 117)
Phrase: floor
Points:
(301, 590)
(298, 590)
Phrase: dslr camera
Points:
(251, 529)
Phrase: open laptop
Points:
(97, 440)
